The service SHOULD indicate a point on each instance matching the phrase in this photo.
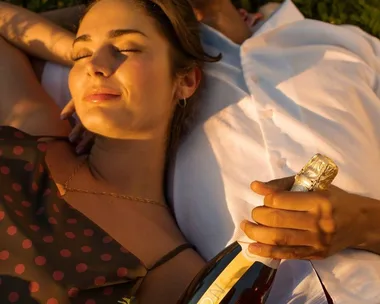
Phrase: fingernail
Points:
(254, 184)
(255, 248)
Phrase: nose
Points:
(100, 64)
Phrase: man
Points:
(293, 88)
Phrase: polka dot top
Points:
(51, 253)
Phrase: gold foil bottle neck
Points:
(317, 174)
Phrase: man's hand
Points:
(305, 225)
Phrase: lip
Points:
(102, 94)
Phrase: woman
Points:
(199, 175)
(96, 229)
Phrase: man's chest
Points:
(264, 122)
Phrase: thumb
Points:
(281, 184)
(68, 110)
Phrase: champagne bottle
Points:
(235, 276)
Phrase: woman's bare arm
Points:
(35, 35)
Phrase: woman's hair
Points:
(175, 19)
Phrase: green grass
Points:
(363, 13)
(45, 5)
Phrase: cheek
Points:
(76, 82)
(77, 85)
(149, 77)
(150, 91)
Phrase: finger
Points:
(282, 184)
(314, 202)
(76, 132)
(286, 252)
(278, 218)
(85, 143)
(68, 110)
(280, 236)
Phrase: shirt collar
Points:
(286, 13)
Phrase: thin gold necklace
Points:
(63, 189)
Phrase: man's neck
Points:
(227, 20)
(131, 167)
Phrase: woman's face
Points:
(122, 82)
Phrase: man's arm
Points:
(371, 208)
(35, 35)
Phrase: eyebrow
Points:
(111, 34)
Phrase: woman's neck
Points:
(131, 167)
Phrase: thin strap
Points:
(172, 254)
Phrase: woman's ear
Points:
(188, 83)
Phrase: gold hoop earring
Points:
(182, 103)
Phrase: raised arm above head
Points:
(34, 34)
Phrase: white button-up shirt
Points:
(295, 88)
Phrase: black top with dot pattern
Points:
(49, 252)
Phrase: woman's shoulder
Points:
(21, 147)
(11, 133)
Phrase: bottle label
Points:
(226, 280)
(232, 274)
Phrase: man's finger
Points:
(282, 184)
(314, 202)
(281, 237)
(278, 218)
(286, 252)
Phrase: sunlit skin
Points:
(315, 240)
(121, 81)
(124, 89)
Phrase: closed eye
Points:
(127, 50)
(80, 56)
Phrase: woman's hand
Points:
(79, 135)
(304, 225)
